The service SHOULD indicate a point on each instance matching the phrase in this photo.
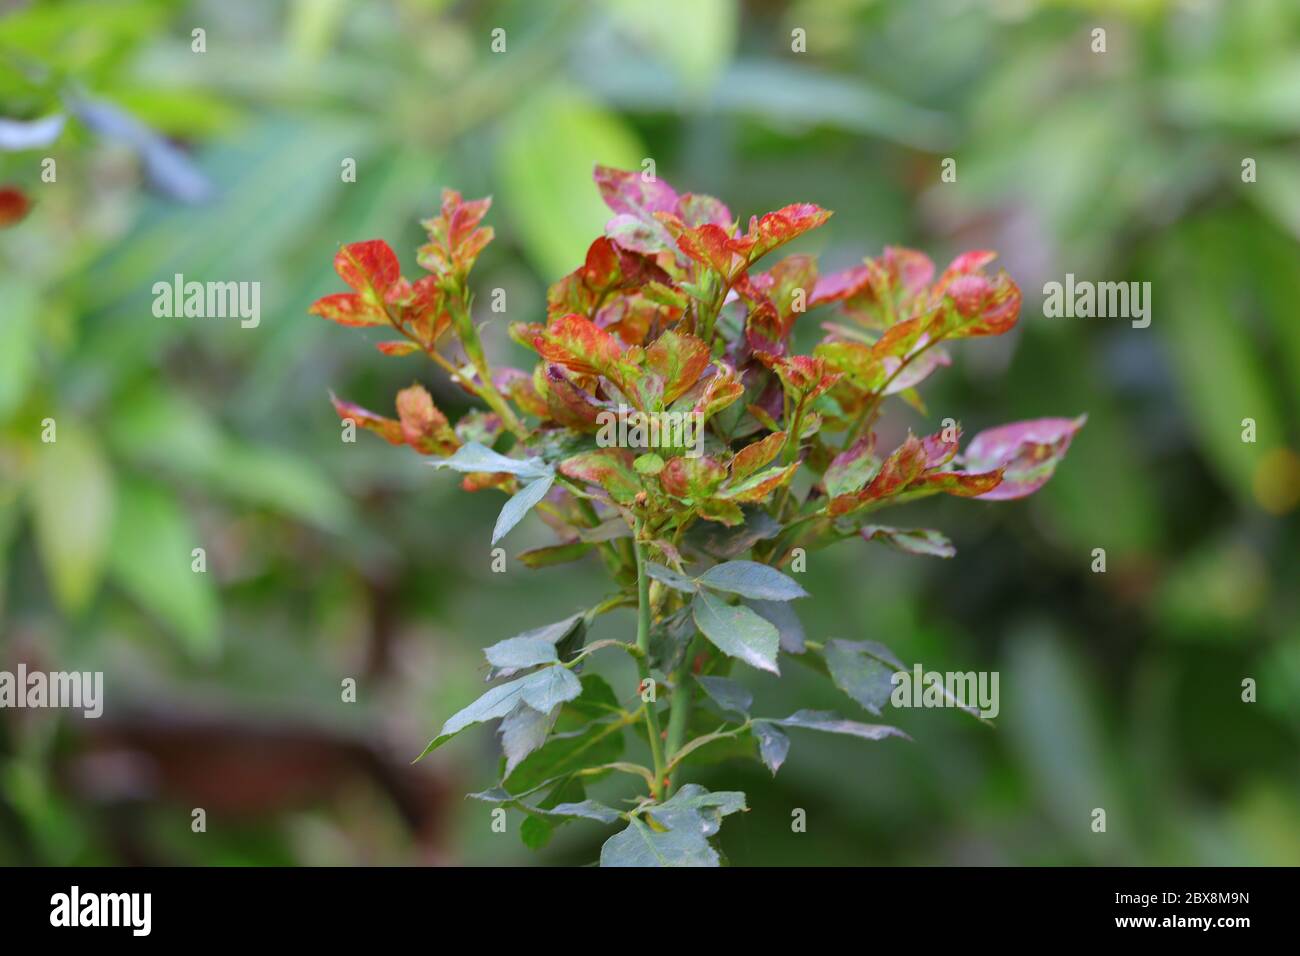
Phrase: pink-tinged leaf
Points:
(607, 269)
(775, 229)
(839, 286)
(607, 468)
(455, 237)
(917, 371)
(629, 193)
(805, 377)
(371, 268)
(696, 478)
(905, 338)
(1026, 452)
(481, 427)
(424, 427)
(850, 470)
(722, 511)
(717, 392)
(639, 235)
(630, 316)
(601, 269)
(387, 428)
(910, 269)
(568, 404)
(666, 295)
(679, 359)
(636, 202)
(941, 447)
(965, 264)
(350, 309)
(400, 347)
(777, 298)
(710, 245)
(980, 306)
(960, 484)
(421, 308)
(579, 344)
(525, 333)
(753, 457)
(912, 540)
(479, 480)
(758, 487)
(892, 289)
(522, 389)
(855, 361)
(899, 470)
(698, 210)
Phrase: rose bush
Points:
(669, 319)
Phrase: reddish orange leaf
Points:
(387, 428)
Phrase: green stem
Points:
(679, 713)
(864, 420)
(643, 665)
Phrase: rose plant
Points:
(669, 315)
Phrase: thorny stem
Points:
(679, 714)
(643, 664)
(474, 350)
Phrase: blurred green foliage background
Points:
(327, 560)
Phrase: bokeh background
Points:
(327, 561)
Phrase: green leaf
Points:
(520, 503)
(670, 639)
(515, 653)
(782, 616)
(473, 458)
(596, 701)
(562, 813)
(911, 540)
(523, 731)
(683, 845)
(541, 690)
(648, 464)
(832, 723)
(596, 744)
(724, 542)
(695, 800)
(538, 828)
(587, 809)
(151, 559)
(608, 468)
(71, 495)
(538, 646)
(554, 554)
(609, 530)
(715, 748)
(565, 801)
(752, 580)
(678, 582)
(864, 670)
(731, 696)
(737, 631)
(773, 744)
